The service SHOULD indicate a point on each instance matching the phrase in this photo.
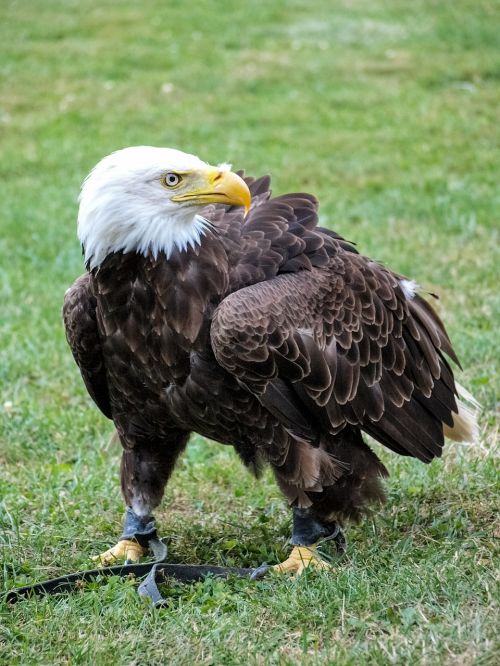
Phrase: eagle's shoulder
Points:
(279, 235)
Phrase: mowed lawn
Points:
(388, 112)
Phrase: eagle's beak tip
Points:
(236, 190)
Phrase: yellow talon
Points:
(125, 549)
(301, 558)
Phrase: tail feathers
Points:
(466, 395)
(465, 427)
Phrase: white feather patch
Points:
(140, 506)
(409, 288)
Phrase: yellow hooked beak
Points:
(217, 186)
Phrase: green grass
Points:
(388, 111)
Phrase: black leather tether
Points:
(155, 572)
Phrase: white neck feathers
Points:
(107, 235)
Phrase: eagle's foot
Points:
(309, 532)
(138, 533)
(301, 558)
(126, 549)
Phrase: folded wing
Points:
(342, 344)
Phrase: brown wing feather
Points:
(347, 344)
(279, 235)
(79, 315)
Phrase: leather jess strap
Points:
(155, 572)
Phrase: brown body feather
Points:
(275, 336)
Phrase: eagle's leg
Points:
(317, 516)
(145, 470)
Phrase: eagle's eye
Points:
(171, 179)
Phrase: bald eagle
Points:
(210, 306)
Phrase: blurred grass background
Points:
(388, 112)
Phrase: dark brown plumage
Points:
(272, 335)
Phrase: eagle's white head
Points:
(144, 199)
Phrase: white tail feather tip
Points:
(465, 427)
(467, 396)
